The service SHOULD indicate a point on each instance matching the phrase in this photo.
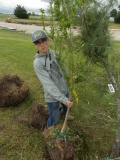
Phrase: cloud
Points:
(8, 6)
(46, 0)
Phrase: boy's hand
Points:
(69, 103)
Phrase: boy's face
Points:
(42, 45)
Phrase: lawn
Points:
(37, 20)
(114, 25)
(96, 105)
(18, 141)
(32, 19)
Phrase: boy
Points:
(51, 77)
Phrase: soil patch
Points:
(66, 146)
(38, 116)
(115, 150)
(12, 91)
(1, 127)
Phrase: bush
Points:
(113, 13)
(21, 12)
(117, 18)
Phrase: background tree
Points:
(113, 13)
(117, 18)
(21, 12)
(116, 14)
(119, 7)
(33, 14)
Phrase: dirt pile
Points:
(66, 146)
(12, 91)
(37, 117)
(115, 150)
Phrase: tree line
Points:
(116, 14)
(21, 12)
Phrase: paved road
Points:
(28, 29)
(115, 34)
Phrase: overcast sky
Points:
(8, 6)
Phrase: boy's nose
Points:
(42, 43)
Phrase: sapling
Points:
(97, 43)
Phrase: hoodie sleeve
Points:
(47, 83)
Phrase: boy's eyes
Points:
(40, 41)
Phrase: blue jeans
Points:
(54, 111)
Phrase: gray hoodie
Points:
(51, 77)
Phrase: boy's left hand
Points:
(69, 104)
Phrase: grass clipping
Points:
(12, 91)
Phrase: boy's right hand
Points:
(69, 104)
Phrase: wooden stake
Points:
(64, 127)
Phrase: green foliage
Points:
(42, 17)
(21, 12)
(93, 40)
(57, 12)
(62, 14)
(113, 13)
(94, 105)
(33, 13)
(117, 18)
(96, 37)
(116, 14)
(94, 31)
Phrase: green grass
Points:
(18, 141)
(37, 20)
(114, 25)
(32, 19)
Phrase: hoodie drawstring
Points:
(46, 59)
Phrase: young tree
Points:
(21, 12)
(96, 39)
(91, 17)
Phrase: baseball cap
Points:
(39, 34)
